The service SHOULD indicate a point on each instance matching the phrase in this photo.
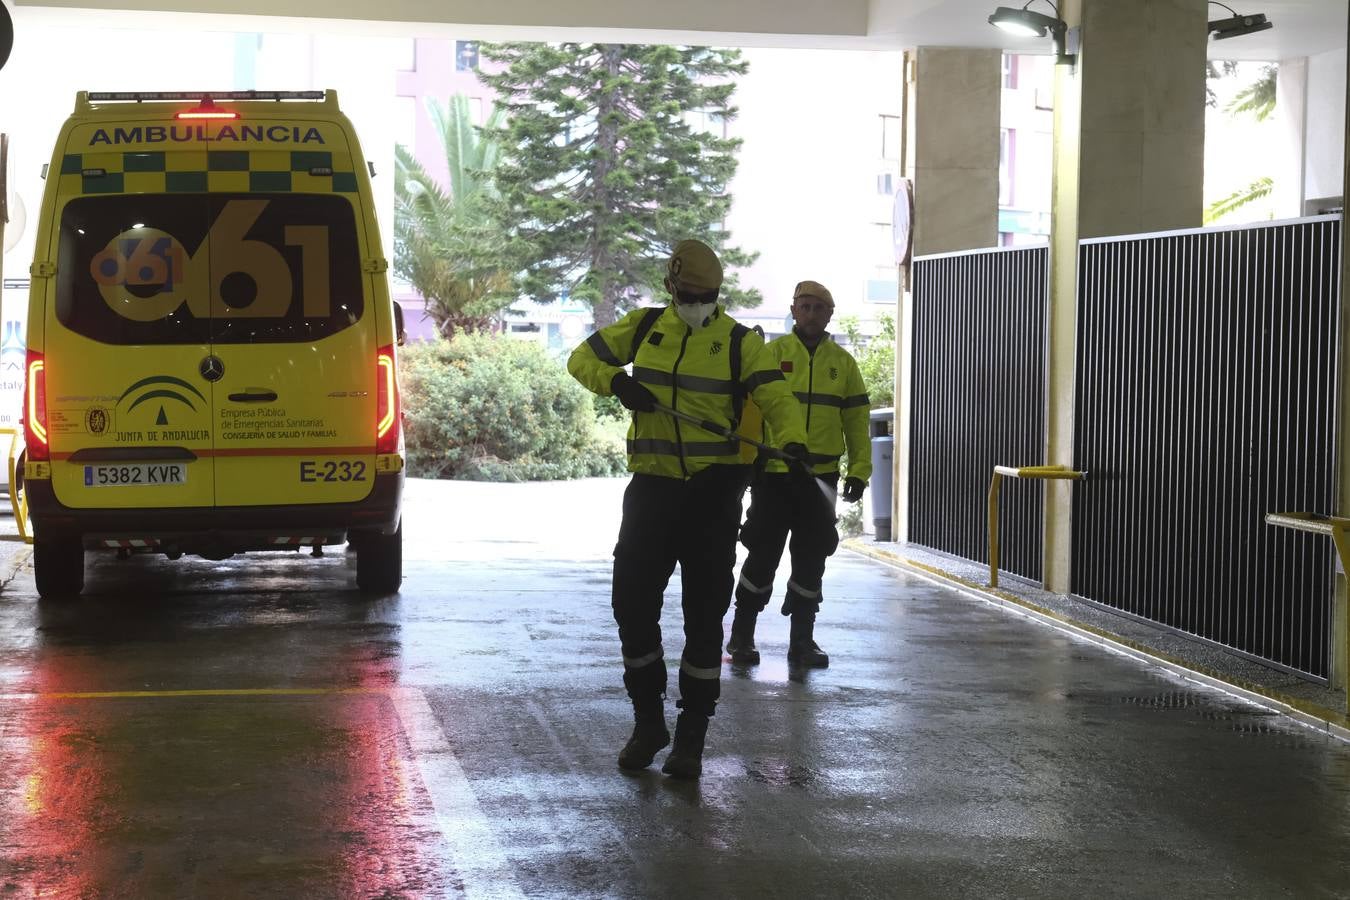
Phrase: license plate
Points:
(135, 474)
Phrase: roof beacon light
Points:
(207, 109)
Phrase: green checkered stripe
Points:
(259, 180)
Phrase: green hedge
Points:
(487, 408)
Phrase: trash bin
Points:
(883, 443)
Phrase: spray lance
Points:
(827, 492)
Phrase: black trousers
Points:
(783, 503)
(692, 522)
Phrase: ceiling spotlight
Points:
(1237, 26)
(1025, 23)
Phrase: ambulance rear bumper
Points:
(217, 530)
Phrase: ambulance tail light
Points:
(387, 412)
(35, 407)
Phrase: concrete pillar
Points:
(1129, 158)
(1142, 115)
(951, 117)
(1291, 118)
(1340, 621)
(955, 150)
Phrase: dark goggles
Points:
(685, 297)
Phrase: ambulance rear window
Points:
(208, 268)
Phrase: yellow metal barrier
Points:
(1053, 473)
(1336, 528)
(18, 499)
(1333, 526)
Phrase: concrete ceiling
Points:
(1302, 27)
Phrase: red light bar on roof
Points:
(143, 96)
(207, 109)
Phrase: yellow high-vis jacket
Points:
(691, 371)
(834, 404)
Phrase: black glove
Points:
(797, 452)
(853, 489)
(631, 394)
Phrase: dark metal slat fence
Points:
(1206, 397)
(978, 400)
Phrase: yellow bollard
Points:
(1045, 473)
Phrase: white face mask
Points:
(695, 314)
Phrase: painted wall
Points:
(806, 193)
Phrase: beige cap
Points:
(694, 266)
(812, 289)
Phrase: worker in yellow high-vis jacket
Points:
(683, 503)
(827, 384)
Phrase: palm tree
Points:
(1257, 100)
(442, 235)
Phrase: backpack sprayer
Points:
(827, 492)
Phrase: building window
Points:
(886, 183)
(1010, 71)
(890, 137)
(706, 121)
(466, 56)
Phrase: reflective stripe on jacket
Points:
(689, 371)
(833, 401)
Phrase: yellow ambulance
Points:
(211, 363)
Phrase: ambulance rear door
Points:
(293, 333)
(125, 339)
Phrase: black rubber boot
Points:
(741, 644)
(686, 757)
(649, 735)
(802, 647)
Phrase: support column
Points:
(1291, 118)
(1141, 73)
(1340, 621)
(952, 114)
(1129, 158)
(956, 112)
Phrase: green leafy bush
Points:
(876, 358)
(876, 363)
(850, 523)
(488, 408)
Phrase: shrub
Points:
(488, 408)
(876, 363)
(851, 522)
(876, 358)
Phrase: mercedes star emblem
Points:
(212, 368)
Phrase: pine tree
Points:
(607, 163)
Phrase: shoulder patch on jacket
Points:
(655, 338)
(785, 365)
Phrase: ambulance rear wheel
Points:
(59, 567)
(379, 562)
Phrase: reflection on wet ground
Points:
(254, 727)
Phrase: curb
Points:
(1332, 723)
(17, 562)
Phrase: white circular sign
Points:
(902, 222)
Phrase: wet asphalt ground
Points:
(257, 728)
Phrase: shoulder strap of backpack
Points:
(645, 325)
(738, 333)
